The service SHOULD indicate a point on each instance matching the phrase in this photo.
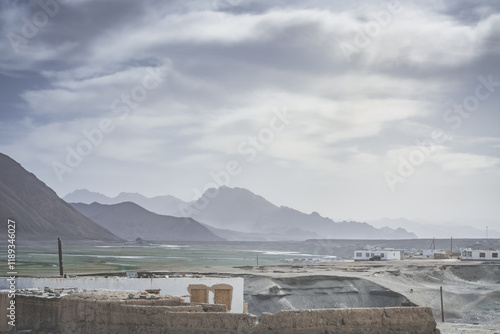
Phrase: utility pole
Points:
(59, 245)
(451, 247)
(486, 232)
(433, 244)
(257, 260)
(442, 307)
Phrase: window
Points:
(464, 253)
(373, 254)
(367, 254)
(495, 255)
(482, 254)
(359, 254)
(381, 254)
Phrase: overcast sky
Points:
(357, 110)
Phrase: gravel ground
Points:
(448, 328)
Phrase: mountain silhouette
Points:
(239, 214)
(130, 221)
(163, 205)
(37, 210)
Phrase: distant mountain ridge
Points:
(39, 213)
(427, 230)
(242, 210)
(163, 205)
(239, 214)
(131, 221)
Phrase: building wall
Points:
(436, 253)
(178, 287)
(428, 253)
(393, 255)
(483, 255)
(87, 316)
(366, 255)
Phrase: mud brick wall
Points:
(408, 320)
(87, 316)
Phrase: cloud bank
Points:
(183, 87)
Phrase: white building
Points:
(430, 253)
(482, 255)
(223, 290)
(385, 255)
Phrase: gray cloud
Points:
(228, 66)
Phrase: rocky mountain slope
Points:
(37, 210)
(130, 221)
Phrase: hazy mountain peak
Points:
(127, 194)
(82, 192)
(242, 210)
(86, 196)
(237, 196)
(437, 230)
(166, 205)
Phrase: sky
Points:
(357, 110)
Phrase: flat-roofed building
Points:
(478, 254)
(385, 255)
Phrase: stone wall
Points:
(81, 315)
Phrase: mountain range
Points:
(163, 205)
(262, 220)
(239, 214)
(240, 209)
(434, 230)
(37, 210)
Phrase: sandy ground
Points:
(471, 290)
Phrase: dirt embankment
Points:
(471, 290)
(272, 295)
